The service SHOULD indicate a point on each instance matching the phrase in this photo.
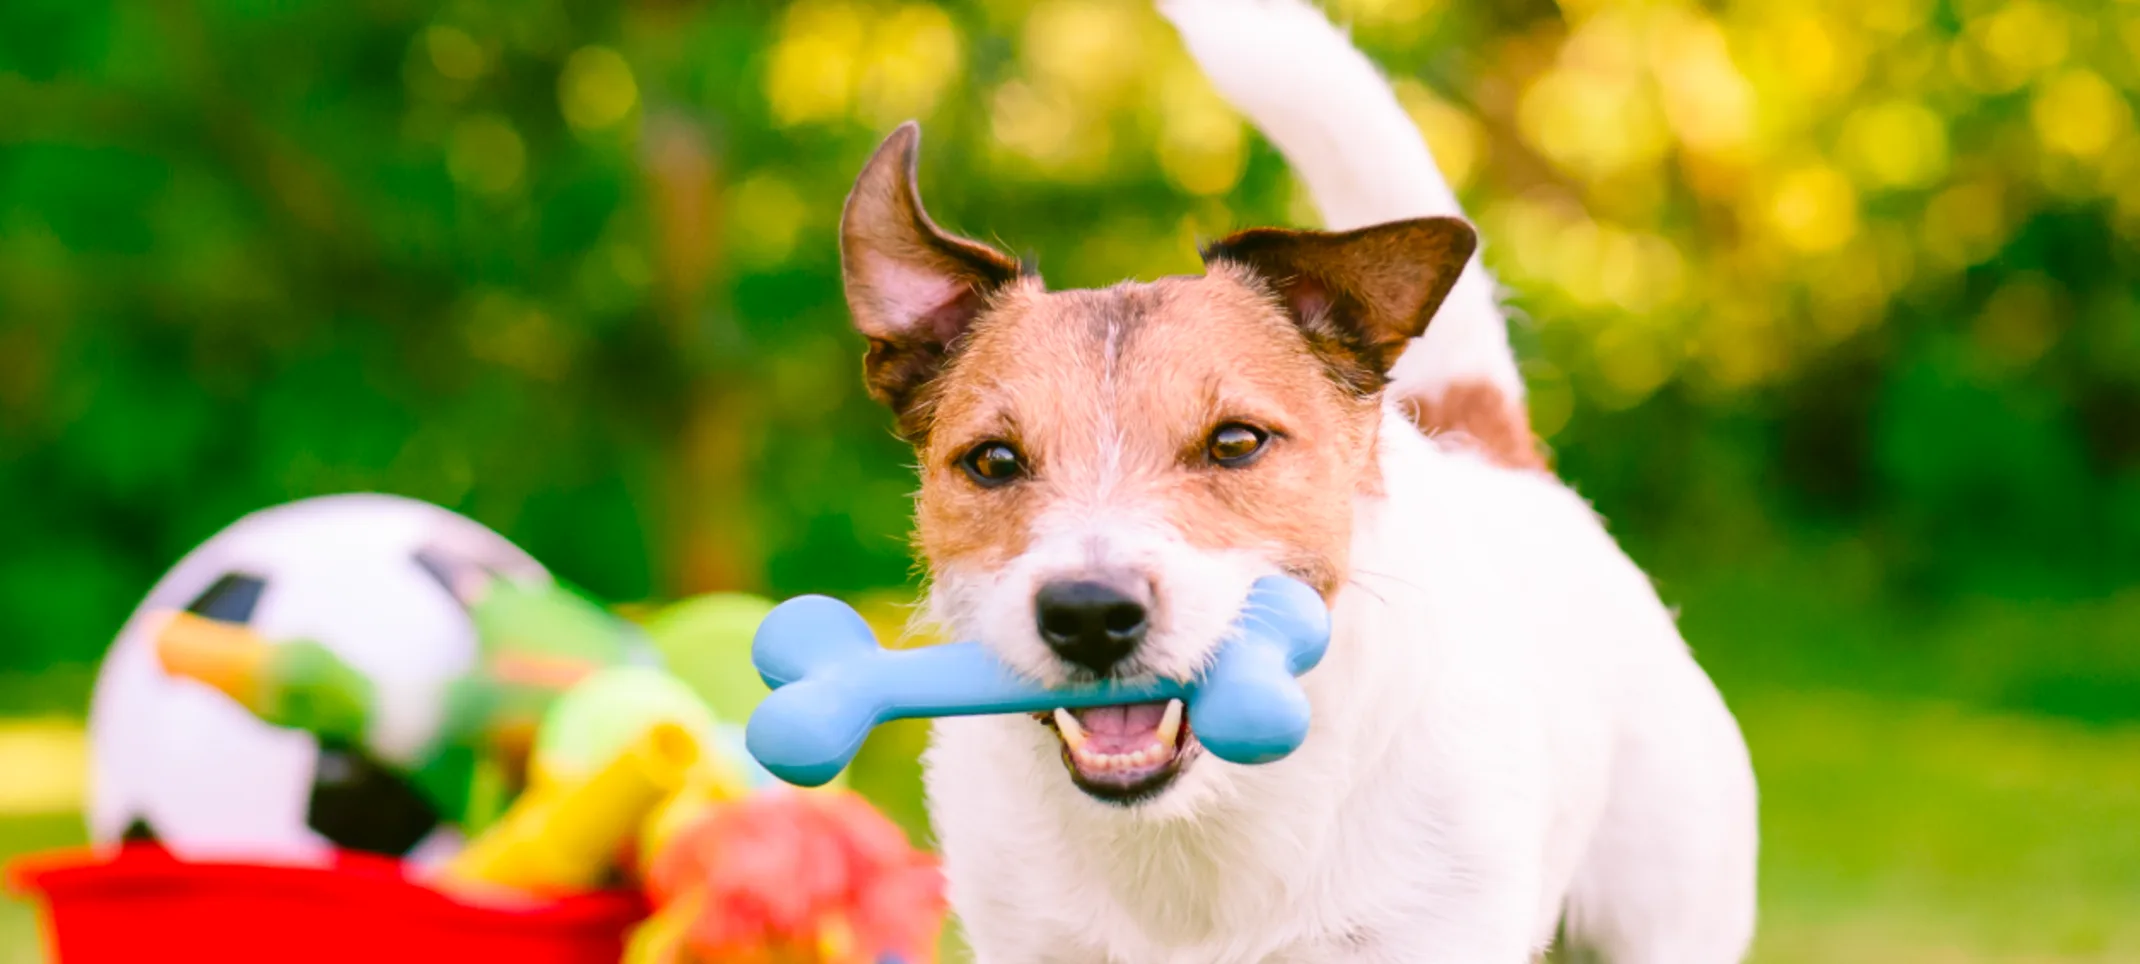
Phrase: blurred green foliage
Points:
(1843, 289)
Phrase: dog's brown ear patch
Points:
(1360, 296)
(912, 287)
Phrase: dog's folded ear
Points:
(912, 287)
(1360, 296)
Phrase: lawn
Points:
(1896, 831)
(1913, 831)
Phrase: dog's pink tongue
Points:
(1121, 729)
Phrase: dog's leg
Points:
(1669, 876)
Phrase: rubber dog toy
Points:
(832, 683)
(791, 876)
(562, 836)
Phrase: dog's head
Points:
(1105, 472)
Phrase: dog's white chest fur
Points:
(1507, 726)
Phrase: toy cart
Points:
(142, 904)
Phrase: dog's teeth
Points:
(1170, 724)
(1073, 734)
(1096, 761)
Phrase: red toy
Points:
(794, 876)
(783, 876)
(144, 905)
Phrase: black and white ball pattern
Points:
(370, 577)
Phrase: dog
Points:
(1511, 743)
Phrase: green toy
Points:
(541, 649)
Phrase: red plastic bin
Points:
(142, 904)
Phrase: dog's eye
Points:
(991, 464)
(1234, 444)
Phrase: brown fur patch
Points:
(1479, 413)
(1112, 395)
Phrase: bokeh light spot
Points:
(1811, 54)
(1454, 137)
(510, 331)
(1593, 125)
(1526, 232)
(486, 154)
(2079, 114)
(1633, 364)
(1300, 209)
(1895, 144)
(1091, 47)
(1893, 16)
(2025, 37)
(1027, 123)
(914, 56)
(1708, 102)
(1053, 130)
(1202, 147)
(765, 215)
(810, 75)
(1814, 209)
(1550, 398)
(1382, 14)
(454, 54)
(596, 89)
(1388, 21)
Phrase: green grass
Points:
(1896, 831)
(1913, 831)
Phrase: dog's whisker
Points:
(1356, 584)
(1399, 580)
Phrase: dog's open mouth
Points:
(1124, 753)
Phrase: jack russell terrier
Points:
(1511, 742)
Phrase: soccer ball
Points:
(371, 577)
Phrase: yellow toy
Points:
(561, 836)
(627, 778)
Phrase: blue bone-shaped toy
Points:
(832, 683)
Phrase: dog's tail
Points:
(1328, 109)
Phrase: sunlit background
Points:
(1832, 307)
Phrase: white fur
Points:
(1507, 722)
(1508, 730)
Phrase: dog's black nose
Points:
(1089, 624)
